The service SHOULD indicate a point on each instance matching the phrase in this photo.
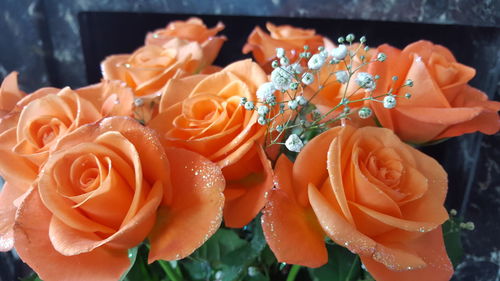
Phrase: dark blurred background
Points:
(61, 42)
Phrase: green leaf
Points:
(451, 235)
(139, 269)
(32, 277)
(132, 255)
(236, 263)
(342, 266)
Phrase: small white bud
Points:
(296, 68)
(408, 95)
(293, 104)
(364, 112)
(409, 83)
(342, 76)
(243, 100)
(365, 80)
(340, 52)
(262, 120)
(284, 61)
(307, 78)
(275, 64)
(249, 105)
(294, 143)
(265, 91)
(281, 78)
(263, 110)
(381, 57)
(389, 102)
(301, 100)
(138, 102)
(316, 62)
(280, 52)
(362, 39)
(350, 37)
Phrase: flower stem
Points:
(171, 273)
(293, 272)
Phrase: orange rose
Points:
(368, 191)
(193, 30)
(35, 124)
(9, 94)
(104, 189)
(442, 105)
(202, 113)
(291, 39)
(149, 68)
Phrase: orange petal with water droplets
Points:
(34, 247)
(196, 209)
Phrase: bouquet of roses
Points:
(172, 168)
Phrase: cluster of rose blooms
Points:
(166, 147)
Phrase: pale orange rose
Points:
(193, 30)
(369, 192)
(292, 39)
(10, 94)
(107, 187)
(150, 67)
(34, 124)
(202, 113)
(442, 104)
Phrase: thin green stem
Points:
(171, 273)
(293, 272)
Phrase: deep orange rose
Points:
(104, 189)
(442, 105)
(263, 46)
(193, 30)
(367, 191)
(202, 113)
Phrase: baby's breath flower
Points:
(364, 112)
(316, 62)
(301, 100)
(381, 57)
(243, 100)
(365, 80)
(389, 102)
(263, 110)
(409, 83)
(262, 120)
(280, 52)
(296, 68)
(294, 143)
(407, 95)
(341, 40)
(279, 128)
(307, 78)
(138, 102)
(249, 105)
(340, 52)
(350, 37)
(294, 86)
(265, 91)
(362, 39)
(293, 104)
(342, 76)
(284, 61)
(275, 64)
(367, 48)
(281, 78)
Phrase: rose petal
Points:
(196, 209)
(430, 248)
(256, 182)
(34, 247)
(8, 194)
